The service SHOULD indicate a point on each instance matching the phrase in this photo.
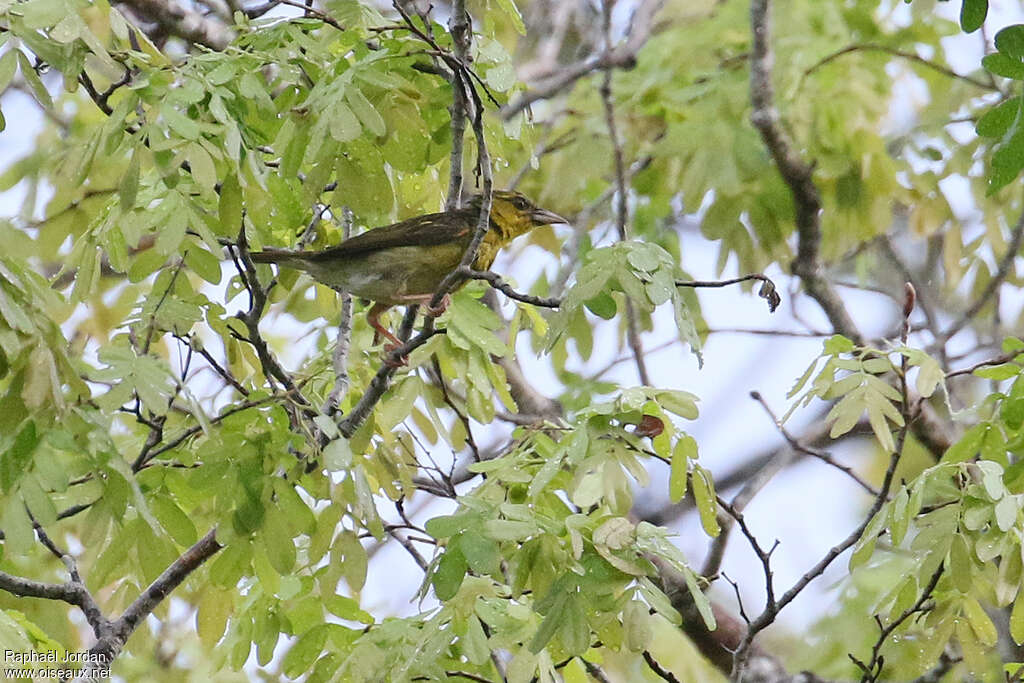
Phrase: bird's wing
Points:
(428, 230)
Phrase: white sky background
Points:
(808, 507)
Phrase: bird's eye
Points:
(520, 203)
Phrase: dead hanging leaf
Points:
(649, 426)
(769, 294)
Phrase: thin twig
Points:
(873, 668)
(910, 56)
(814, 453)
(596, 672)
(633, 336)
(312, 12)
(769, 292)
(753, 485)
(622, 58)
(658, 669)
(496, 281)
(998, 360)
(773, 608)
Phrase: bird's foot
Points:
(435, 311)
(395, 361)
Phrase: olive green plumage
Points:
(405, 262)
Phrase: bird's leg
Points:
(424, 300)
(373, 317)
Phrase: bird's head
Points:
(513, 214)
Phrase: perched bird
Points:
(404, 263)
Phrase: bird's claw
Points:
(435, 311)
(395, 361)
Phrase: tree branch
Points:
(623, 57)
(112, 642)
(796, 173)
(183, 22)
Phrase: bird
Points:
(405, 262)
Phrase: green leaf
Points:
(980, 622)
(1008, 159)
(305, 651)
(482, 554)
(900, 519)
(991, 479)
(299, 517)
(277, 539)
(326, 526)
(682, 403)
(39, 90)
(636, 622)
(1010, 41)
(1006, 512)
(509, 530)
(960, 565)
(473, 323)
(172, 233)
(474, 642)
(512, 12)
(1003, 65)
(173, 519)
(1017, 620)
(451, 570)
(203, 170)
(345, 127)
(204, 264)
(1012, 344)
(231, 564)
(865, 545)
(998, 373)
(929, 375)
(686, 327)
(997, 120)
(8, 66)
(365, 111)
(684, 451)
(338, 454)
(603, 306)
(968, 445)
(700, 600)
(179, 123)
(43, 13)
(215, 606)
(229, 207)
(574, 630)
(129, 187)
(446, 526)
(347, 608)
(616, 533)
(552, 622)
(352, 557)
(704, 495)
(972, 14)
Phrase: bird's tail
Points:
(282, 257)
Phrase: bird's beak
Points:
(545, 217)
